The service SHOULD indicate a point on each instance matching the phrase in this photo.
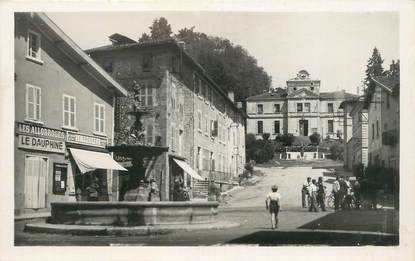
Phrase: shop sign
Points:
(84, 139)
(31, 129)
(43, 144)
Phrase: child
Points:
(273, 204)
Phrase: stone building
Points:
(64, 118)
(382, 104)
(190, 113)
(299, 109)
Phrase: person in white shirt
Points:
(313, 196)
(336, 193)
(304, 193)
(273, 204)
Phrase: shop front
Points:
(53, 165)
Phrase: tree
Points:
(159, 30)
(374, 66)
(285, 139)
(315, 138)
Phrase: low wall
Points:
(133, 213)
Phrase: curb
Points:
(122, 231)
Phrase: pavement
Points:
(247, 208)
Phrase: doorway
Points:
(303, 127)
(36, 172)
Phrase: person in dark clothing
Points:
(343, 192)
(93, 190)
(321, 194)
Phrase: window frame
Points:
(328, 126)
(38, 57)
(35, 112)
(309, 107)
(262, 108)
(99, 105)
(330, 105)
(277, 108)
(279, 127)
(199, 121)
(262, 127)
(300, 107)
(63, 112)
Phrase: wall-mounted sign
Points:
(84, 139)
(43, 144)
(31, 129)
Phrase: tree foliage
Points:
(261, 151)
(159, 30)
(286, 139)
(374, 66)
(229, 65)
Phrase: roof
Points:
(120, 39)
(389, 83)
(276, 94)
(339, 95)
(307, 94)
(349, 101)
(76, 54)
(171, 43)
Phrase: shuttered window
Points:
(69, 111)
(99, 118)
(33, 103)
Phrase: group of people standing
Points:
(345, 193)
(313, 194)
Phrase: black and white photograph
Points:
(196, 128)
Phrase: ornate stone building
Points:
(299, 109)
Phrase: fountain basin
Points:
(133, 213)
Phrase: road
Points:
(246, 207)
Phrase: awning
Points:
(91, 160)
(188, 169)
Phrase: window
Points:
(307, 107)
(69, 111)
(173, 138)
(148, 95)
(276, 127)
(199, 83)
(299, 107)
(147, 62)
(33, 102)
(377, 128)
(330, 107)
(59, 178)
(277, 108)
(260, 108)
(197, 161)
(199, 120)
(260, 127)
(373, 131)
(330, 128)
(99, 118)
(206, 126)
(33, 45)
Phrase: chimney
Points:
(231, 96)
(182, 45)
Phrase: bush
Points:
(336, 151)
(265, 136)
(285, 139)
(260, 151)
(315, 138)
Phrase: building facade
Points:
(63, 113)
(382, 104)
(190, 114)
(299, 109)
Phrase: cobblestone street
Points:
(246, 207)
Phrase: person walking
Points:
(313, 196)
(273, 204)
(304, 192)
(348, 194)
(336, 193)
(321, 194)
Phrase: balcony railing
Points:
(390, 137)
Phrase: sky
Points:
(332, 47)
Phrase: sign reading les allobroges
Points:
(40, 138)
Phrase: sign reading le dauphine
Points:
(40, 138)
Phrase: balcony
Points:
(390, 137)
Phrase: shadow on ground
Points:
(385, 221)
(275, 238)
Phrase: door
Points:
(36, 171)
(303, 127)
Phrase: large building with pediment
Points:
(299, 109)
